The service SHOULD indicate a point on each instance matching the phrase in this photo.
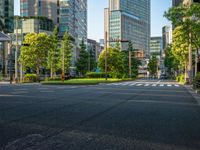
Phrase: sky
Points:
(96, 17)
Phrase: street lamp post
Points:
(106, 57)
(16, 52)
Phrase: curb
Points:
(194, 93)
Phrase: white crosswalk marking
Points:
(137, 84)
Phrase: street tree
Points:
(115, 64)
(171, 62)
(83, 60)
(153, 66)
(66, 53)
(35, 51)
(187, 18)
(53, 53)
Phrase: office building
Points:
(176, 2)
(166, 36)
(6, 15)
(156, 47)
(128, 20)
(45, 8)
(69, 15)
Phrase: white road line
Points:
(177, 85)
(161, 85)
(20, 92)
(132, 84)
(46, 91)
(146, 84)
(169, 85)
(154, 84)
(139, 85)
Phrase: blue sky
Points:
(96, 14)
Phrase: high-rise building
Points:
(156, 47)
(69, 15)
(166, 36)
(128, 20)
(190, 1)
(176, 2)
(6, 15)
(46, 8)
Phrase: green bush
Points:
(196, 81)
(95, 75)
(30, 78)
(181, 78)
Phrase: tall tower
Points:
(46, 8)
(176, 2)
(129, 20)
(6, 15)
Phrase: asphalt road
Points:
(140, 115)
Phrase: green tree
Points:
(66, 53)
(92, 64)
(170, 61)
(82, 61)
(54, 54)
(115, 64)
(153, 66)
(35, 51)
(186, 18)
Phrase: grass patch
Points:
(83, 81)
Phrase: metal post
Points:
(21, 63)
(63, 64)
(130, 65)
(190, 63)
(106, 53)
(10, 64)
(16, 52)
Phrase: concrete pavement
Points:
(124, 116)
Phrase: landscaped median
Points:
(84, 81)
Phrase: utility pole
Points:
(10, 57)
(106, 61)
(16, 52)
(63, 64)
(130, 65)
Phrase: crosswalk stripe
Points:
(146, 84)
(138, 84)
(161, 84)
(169, 85)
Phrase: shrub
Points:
(181, 78)
(95, 75)
(196, 81)
(30, 78)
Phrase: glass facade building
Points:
(129, 20)
(156, 47)
(6, 15)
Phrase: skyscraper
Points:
(69, 15)
(6, 15)
(129, 20)
(166, 36)
(176, 2)
(46, 8)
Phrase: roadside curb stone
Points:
(194, 93)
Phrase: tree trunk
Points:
(38, 74)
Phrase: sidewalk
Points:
(193, 92)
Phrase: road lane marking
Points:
(169, 85)
(146, 84)
(161, 85)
